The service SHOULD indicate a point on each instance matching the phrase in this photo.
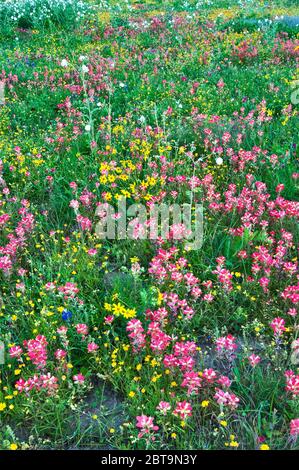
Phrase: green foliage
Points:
(41, 13)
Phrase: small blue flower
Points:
(66, 315)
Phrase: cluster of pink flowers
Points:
(278, 326)
(92, 347)
(224, 275)
(37, 351)
(136, 334)
(16, 240)
(183, 409)
(60, 355)
(79, 379)
(292, 292)
(229, 147)
(294, 427)
(226, 344)
(82, 329)
(164, 407)
(179, 357)
(84, 222)
(292, 383)
(167, 267)
(15, 351)
(146, 425)
(226, 399)
(45, 382)
(69, 290)
(158, 339)
(182, 356)
(254, 359)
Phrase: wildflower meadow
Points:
(149, 205)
